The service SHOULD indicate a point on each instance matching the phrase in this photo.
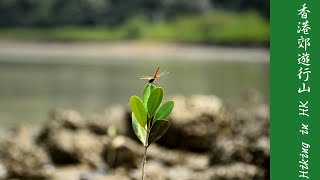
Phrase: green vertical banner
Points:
(314, 135)
(295, 89)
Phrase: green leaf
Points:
(138, 130)
(146, 93)
(139, 110)
(159, 128)
(164, 111)
(154, 100)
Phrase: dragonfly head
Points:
(151, 80)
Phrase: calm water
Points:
(29, 90)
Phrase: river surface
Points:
(36, 79)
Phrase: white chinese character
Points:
(305, 72)
(303, 12)
(304, 59)
(304, 43)
(304, 27)
(304, 88)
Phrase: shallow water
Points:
(30, 89)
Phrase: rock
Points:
(196, 122)
(69, 172)
(67, 141)
(235, 171)
(171, 157)
(98, 125)
(59, 144)
(200, 122)
(227, 150)
(22, 158)
(88, 147)
(261, 151)
(69, 119)
(207, 140)
(84, 172)
(251, 97)
(59, 120)
(122, 151)
(3, 171)
(72, 147)
(116, 174)
(114, 177)
(153, 171)
(253, 122)
(205, 124)
(112, 122)
(249, 142)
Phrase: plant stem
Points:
(144, 161)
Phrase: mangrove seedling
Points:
(148, 120)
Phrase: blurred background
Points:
(57, 53)
(86, 55)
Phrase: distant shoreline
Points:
(124, 50)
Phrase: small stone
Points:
(22, 158)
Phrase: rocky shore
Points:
(207, 140)
(80, 52)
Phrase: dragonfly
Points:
(155, 76)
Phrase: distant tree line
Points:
(262, 6)
(51, 13)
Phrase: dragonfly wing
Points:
(145, 77)
(163, 73)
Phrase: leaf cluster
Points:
(148, 120)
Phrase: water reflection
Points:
(29, 90)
